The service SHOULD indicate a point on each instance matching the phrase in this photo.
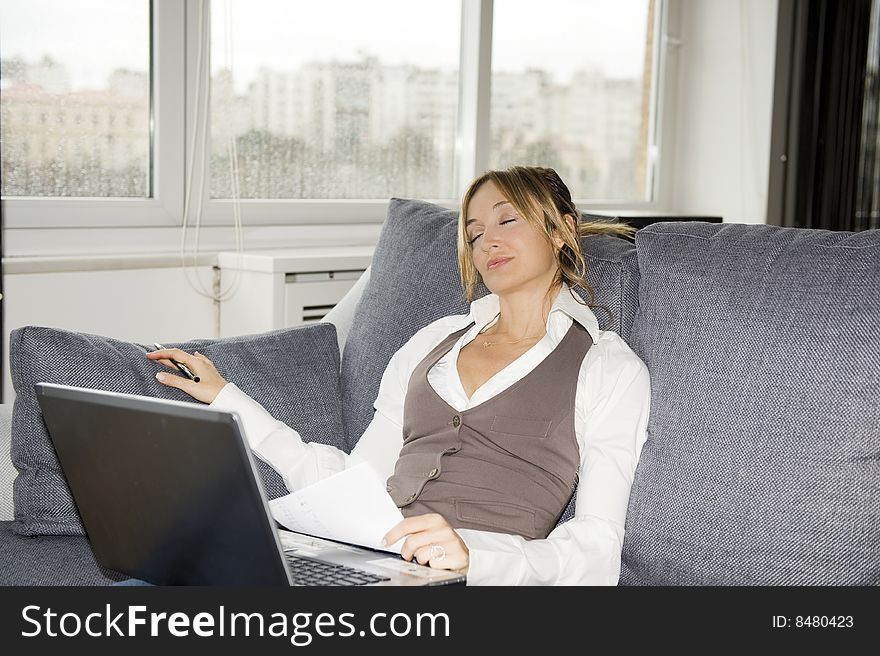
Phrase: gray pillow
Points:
(414, 280)
(613, 271)
(293, 373)
(763, 454)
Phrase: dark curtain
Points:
(868, 200)
(824, 143)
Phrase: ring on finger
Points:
(438, 552)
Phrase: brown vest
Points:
(507, 465)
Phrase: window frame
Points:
(175, 39)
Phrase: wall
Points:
(74, 279)
(140, 305)
(723, 108)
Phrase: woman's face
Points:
(507, 251)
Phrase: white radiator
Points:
(309, 296)
(283, 289)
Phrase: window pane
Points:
(75, 97)
(570, 90)
(334, 99)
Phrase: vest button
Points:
(433, 472)
(410, 498)
(388, 488)
(456, 421)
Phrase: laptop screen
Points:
(166, 490)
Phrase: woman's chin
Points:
(501, 287)
(496, 284)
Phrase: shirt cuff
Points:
(493, 558)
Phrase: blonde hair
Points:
(540, 196)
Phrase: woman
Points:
(486, 423)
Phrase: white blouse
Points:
(611, 415)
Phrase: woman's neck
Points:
(524, 313)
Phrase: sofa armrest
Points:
(342, 313)
(8, 472)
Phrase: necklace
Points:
(487, 343)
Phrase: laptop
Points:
(168, 493)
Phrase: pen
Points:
(182, 368)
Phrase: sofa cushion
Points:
(50, 560)
(7, 469)
(613, 271)
(763, 454)
(414, 280)
(293, 373)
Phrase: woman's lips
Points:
(497, 262)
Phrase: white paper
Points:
(351, 506)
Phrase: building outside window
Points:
(333, 101)
(59, 66)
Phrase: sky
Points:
(556, 35)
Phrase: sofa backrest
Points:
(763, 454)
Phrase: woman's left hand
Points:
(432, 541)
(210, 383)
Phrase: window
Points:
(59, 63)
(335, 99)
(323, 110)
(575, 100)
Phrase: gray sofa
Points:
(762, 464)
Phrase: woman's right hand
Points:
(210, 381)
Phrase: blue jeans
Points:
(132, 582)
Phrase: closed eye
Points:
(472, 240)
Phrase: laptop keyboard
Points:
(305, 571)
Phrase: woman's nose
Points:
(490, 239)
